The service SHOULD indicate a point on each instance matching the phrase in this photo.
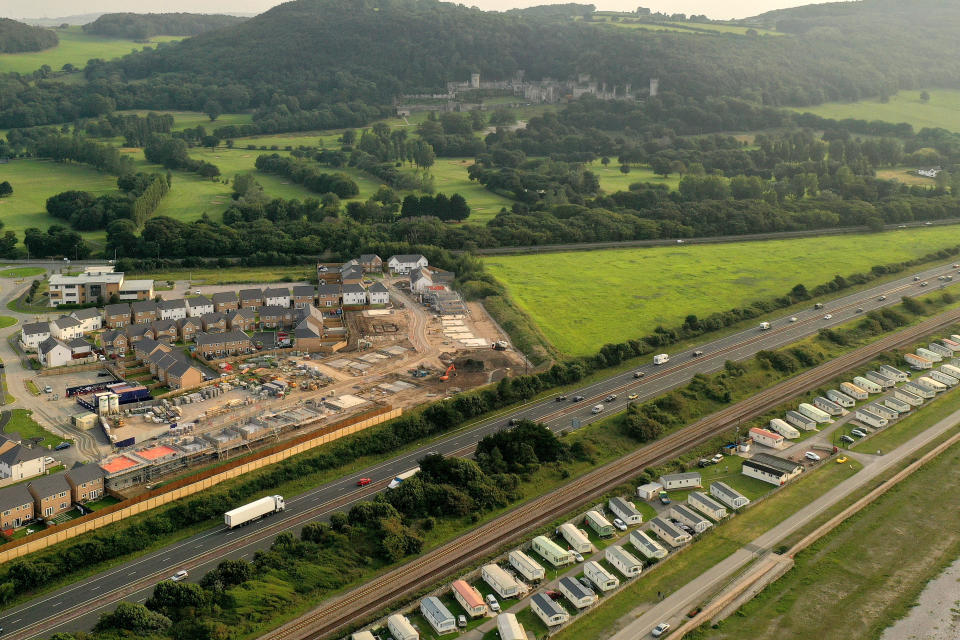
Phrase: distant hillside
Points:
(862, 16)
(139, 26)
(16, 37)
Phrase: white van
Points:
(661, 358)
(597, 409)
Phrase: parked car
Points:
(553, 595)
(48, 461)
(461, 621)
(842, 459)
(514, 421)
(576, 555)
(492, 603)
(586, 583)
(717, 458)
(620, 524)
(638, 374)
(660, 629)
(810, 455)
(48, 389)
(62, 446)
(846, 438)
(362, 482)
(179, 575)
(859, 433)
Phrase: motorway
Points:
(78, 605)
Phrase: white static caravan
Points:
(689, 517)
(673, 481)
(362, 635)
(647, 545)
(766, 438)
(500, 581)
(575, 537)
(625, 510)
(950, 343)
(943, 378)
(867, 385)
(923, 391)
(527, 566)
(854, 391)
(509, 628)
(917, 362)
(813, 413)
(908, 397)
(551, 551)
(401, 629)
(547, 610)
(599, 576)
(930, 383)
(800, 421)
(600, 525)
(940, 349)
(623, 561)
(869, 418)
(669, 532)
(649, 491)
(840, 398)
(932, 356)
(576, 593)
(707, 505)
(898, 405)
(783, 428)
(883, 411)
(881, 379)
(829, 406)
(437, 615)
(728, 496)
(893, 372)
(951, 370)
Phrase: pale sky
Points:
(717, 9)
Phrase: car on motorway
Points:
(882, 298)
(941, 277)
(610, 398)
(842, 459)
(660, 629)
(362, 482)
(514, 422)
(561, 398)
(492, 603)
(956, 265)
(633, 396)
(179, 575)
(847, 439)
(638, 374)
(819, 305)
(578, 398)
(916, 278)
(859, 309)
(810, 455)
(793, 318)
(923, 284)
(597, 409)
(927, 224)
(697, 354)
(620, 524)
(828, 316)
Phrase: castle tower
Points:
(654, 86)
(474, 80)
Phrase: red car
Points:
(553, 595)
(362, 482)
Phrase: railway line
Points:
(405, 581)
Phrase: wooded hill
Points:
(139, 26)
(16, 37)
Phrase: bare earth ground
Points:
(937, 614)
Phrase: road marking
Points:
(165, 559)
(132, 573)
(16, 621)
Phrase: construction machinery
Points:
(446, 376)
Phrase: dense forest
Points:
(140, 26)
(16, 37)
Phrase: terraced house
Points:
(219, 345)
(116, 316)
(51, 495)
(304, 296)
(86, 483)
(144, 311)
(225, 301)
(16, 507)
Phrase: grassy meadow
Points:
(75, 47)
(612, 180)
(190, 119)
(943, 109)
(582, 300)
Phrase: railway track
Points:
(404, 581)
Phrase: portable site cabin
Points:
(362, 635)
(883, 411)
(827, 405)
(884, 381)
(576, 538)
(930, 383)
(897, 405)
(812, 412)
(893, 372)
(625, 510)
(932, 356)
(547, 610)
(854, 391)
(940, 350)
(649, 491)
(437, 615)
(917, 362)
(923, 391)
(580, 596)
(647, 545)
(599, 524)
(691, 518)
(728, 496)
(623, 561)
(773, 469)
(500, 581)
(669, 532)
(401, 629)
(469, 598)
(867, 385)
(870, 418)
(943, 378)
(800, 421)
(780, 426)
(599, 576)
(951, 370)
(840, 398)
(766, 438)
(509, 628)
(527, 566)
(707, 505)
(673, 481)
(551, 551)
(908, 397)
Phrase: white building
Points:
(401, 629)
(276, 297)
(576, 593)
(669, 532)
(54, 353)
(527, 566)
(66, 328)
(509, 628)
(353, 294)
(404, 263)
(772, 469)
(623, 561)
(673, 481)
(728, 496)
(437, 615)
(689, 517)
(625, 510)
(18, 462)
(599, 576)
(649, 491)
(575, 537)
(33, 333)
(766, 438)
(500, 581)
(378, 294)
(172, 309)
(199, 306)
(89, 319)
(646, 545)
(707, 505)
(547, 610)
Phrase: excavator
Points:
(446, 375)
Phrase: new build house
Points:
(86, 482)
(16, 507)
(90, 319)
(404, 263)
(198, 306)
(33, 333)
(51, 495)
(172, 309)
(66, 328)
(225, 301)
(18, 462)
(276, 297)
(223, 344)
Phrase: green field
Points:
(680, 27)
(612, 180)
(22, 272)
(76, 47)
(943, 110)
(190, 119)
(22, 423)
(582, 300)
(450, 176)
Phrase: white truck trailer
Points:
(253, 511)
(661, 358)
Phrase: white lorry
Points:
(253, 511)
(597, 409)
(661, 358)
(764, 326)
(396, 482)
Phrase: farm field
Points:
(190, 119)
(583, 300)
(943, 110)
(450, 176)
(76, 47)
(682, 27)
(611, 180)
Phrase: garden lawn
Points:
(23, 424)
(22, 272)
(583, 300)
(943, 109)
(75, 47)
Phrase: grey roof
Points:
(224, 296)
(163, 325)
(329, 290)
(353, 288)
(302, 290)
(378, 287)
(215, 338)
(86, 314)
(179, 303)
(574, 587)
(687, 512)
(625, 556)
(20, 453)
(36, 328)
(245, 313)
(776, 462)
(143, 306)
(199, 301)
(547, 605)
(668, 526)
(304, 330)
(434, 609)
(251, 294)
(85, 473)
(49, 344)
(213, 317)
(276, 292)
(690, 475)
(15, 496)
(65, 322)
(419, 274)
(44, 486)
(643, 541)
(407, 257)
(623, 505)
(116, 310)
(273, 310)
(146, 345)
(78, 343)
(156, 357)
(179, 368)
(726, 490)
(134, 330)
(182, 322)
(351, 273)
(705, 500)
(110, 335)
(369, 257)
